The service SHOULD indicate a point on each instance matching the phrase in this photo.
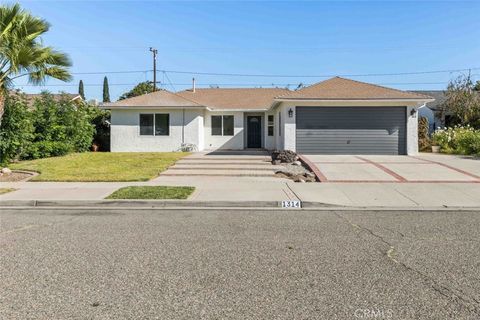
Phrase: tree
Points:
(138, 90)
(477, 86)
(22, 52)
(462, 102)
(81, 90)
(106, 91)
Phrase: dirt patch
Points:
(16, 176)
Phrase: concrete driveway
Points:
(425, 168)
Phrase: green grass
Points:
(152, 192)
(101, 166)
(5, 190)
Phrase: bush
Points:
(49, 127)
(458, 139)
(61, 126)
(45, 149)
(16, 129)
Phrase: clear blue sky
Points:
(299, 38)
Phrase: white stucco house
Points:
(335, 116)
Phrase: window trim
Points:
(280, 124)
(154, 124)
(222, 127)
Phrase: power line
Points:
(317, 76)
(223, 84)
(277, 75)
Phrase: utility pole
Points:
(154, 51)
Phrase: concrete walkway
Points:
(268, 189)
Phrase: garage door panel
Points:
(351, 130)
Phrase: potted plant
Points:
(439, 138)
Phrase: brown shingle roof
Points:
(345, 89)
(234, 98)
(160, 98)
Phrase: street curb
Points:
(200, 205)
(152, 204)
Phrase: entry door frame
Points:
(261, 116)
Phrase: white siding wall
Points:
(125, 131)
(234, 142)
(412, 132)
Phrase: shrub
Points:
(458, 139)
(16, 129)
(45, 149)
(60, 127)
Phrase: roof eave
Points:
(359, 100)
(110, 107)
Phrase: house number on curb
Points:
(291, 204)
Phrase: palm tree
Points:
(22, 52)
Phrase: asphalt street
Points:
(214, 264)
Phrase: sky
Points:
(306, 41)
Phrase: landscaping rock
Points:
(276, 162)
(6, 171)
(286, 156)
(297, 163)
(310, 175)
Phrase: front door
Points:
(254, 131)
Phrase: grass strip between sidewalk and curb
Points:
(101, 166)
(6, 190)
(152, 192)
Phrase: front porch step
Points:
(233, 158)
(214, 163)
(219, 172)
(229, 166)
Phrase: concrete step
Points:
(216, 162)
(181, 166)
(217, 158)
(219, 172)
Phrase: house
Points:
(335, 116)
(432, 110)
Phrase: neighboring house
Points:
(432, 109)
(336, 116)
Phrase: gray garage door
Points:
(351, 130)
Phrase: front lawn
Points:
(5, 190)
(152, 192)
(101, 166)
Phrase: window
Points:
(216, 125)
(270, 125)
(162, 124)
(228, 125)
(155, 124)
(279, 124)
(146, 124)
(222, 125)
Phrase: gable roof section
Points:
(234, 98)
(160, 98)
(345, 89)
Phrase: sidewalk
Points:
(249, 189)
